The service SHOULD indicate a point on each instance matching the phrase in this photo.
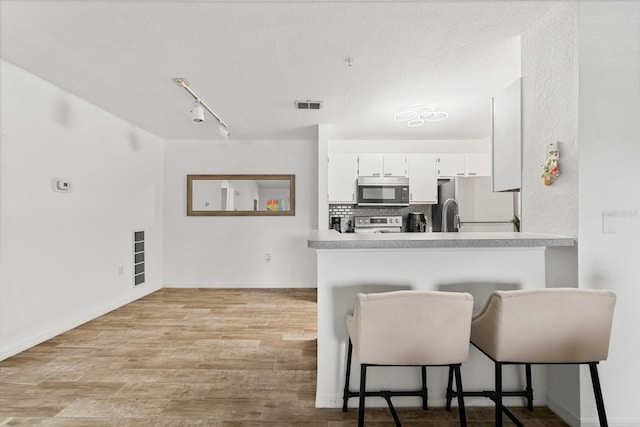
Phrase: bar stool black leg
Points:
(425, 392)
(529, 389)
(363, 387)
(461, 410)
(498, 396)
(345, 396)
(595, 380)
(449, 390)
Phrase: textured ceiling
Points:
(250, 61)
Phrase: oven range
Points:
(378, 224)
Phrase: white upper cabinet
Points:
(342, 171)
(457, 165)
(395, 165)
(507, 148)
(477, 164)
(450, 165)
(423, 178)
(422, 169)
(370, 165)
(382, 165)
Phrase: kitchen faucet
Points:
(456, 214)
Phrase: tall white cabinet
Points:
(342, 171)
(507, 144)
(423, 178)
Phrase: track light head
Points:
(197, 113)
(223, 131)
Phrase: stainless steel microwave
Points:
(383, 191)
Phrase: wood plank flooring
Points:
(194, 357)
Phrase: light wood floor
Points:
(193, 357)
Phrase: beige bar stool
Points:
(542, 326)
(408, 328)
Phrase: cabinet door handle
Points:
(460, 174)
(387, 174)
(473, 173)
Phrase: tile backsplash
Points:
(355, 210)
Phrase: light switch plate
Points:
(618, 218)
(608, 220)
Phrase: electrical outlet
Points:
(267, 257)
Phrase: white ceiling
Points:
(250, 60)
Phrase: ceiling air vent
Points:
(308, 105)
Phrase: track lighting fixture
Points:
(197, 112)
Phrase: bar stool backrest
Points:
(554, 325)
(411, 327)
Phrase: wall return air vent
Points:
(138, 258)
(308, 105)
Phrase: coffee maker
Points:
(342, 224)
(416, 222)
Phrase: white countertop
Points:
(331, 239)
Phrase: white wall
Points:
(550, 114)
(598, 174)
(609, 162)
(227, 251)
(60, 253)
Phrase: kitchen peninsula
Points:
(478, 263)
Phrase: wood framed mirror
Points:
(241, 195)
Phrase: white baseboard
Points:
(53, 330)
(612, 422)
(574, 419)
(567, 415)
(241, 286)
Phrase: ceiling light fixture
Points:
(197, 112)
(419, 115)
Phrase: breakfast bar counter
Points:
(478, 263)
(331, 239)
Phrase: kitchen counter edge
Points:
(331, 239)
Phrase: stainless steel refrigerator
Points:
(479, 208)
(446, 190)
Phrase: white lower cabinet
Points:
(342, 171)
(423, 178)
